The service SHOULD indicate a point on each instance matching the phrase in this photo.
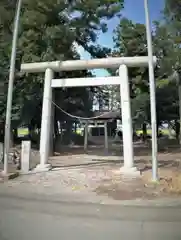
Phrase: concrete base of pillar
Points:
(8, 176)
(42, 168)
(130, 172)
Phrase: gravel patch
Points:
(64, 180)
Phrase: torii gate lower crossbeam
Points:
(122, 80)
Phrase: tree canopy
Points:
(50, 30)
(130, 40)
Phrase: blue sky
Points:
(134, 10)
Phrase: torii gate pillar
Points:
(120, 62)
(128, 167)
(46, 122)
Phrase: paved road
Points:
(22, 219)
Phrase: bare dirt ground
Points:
(98, 172)
(121, 188)
(103, 180)
(103, 172)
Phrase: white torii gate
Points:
(118, 62)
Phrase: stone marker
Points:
(25, 156)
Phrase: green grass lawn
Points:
(164, 131)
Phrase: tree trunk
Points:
(179, 94)
(68, 132)
(11, 140)
(177, 130)
(52, 129)
(157, 128)
(144, 129)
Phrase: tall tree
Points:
(167, 96)
(130, 40)
(172, 17)
(48, 31)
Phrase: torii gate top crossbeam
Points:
(70, 65)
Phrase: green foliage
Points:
(167, 102)
(130, 40)
(166, 87)
(49, 31)
(140, 109)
